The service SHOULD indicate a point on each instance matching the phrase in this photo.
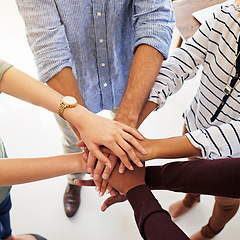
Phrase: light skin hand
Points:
(121, 139)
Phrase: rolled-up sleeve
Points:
(46, 36)
(4, 66)
(217, 141)
(153, 22)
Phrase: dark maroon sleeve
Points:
(220, 177)
(153, 222)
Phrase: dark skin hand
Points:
(122, 182)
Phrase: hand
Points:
(119, 138)
(114, 198)
(127, 180)
(146, 143)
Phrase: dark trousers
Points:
(5, 226)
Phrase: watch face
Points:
(69, 100)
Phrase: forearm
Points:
(214, 177)
(152, 220)
(148, 108)
(144, 69)
(174, 147)
(20, 85)
(65, 83)
(23, 170)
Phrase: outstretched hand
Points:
(119, 138)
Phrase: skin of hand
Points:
(97, 131)
(123, 182)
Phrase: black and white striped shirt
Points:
(215, 46)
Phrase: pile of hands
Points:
(116, 176)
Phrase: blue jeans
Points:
(5, 226)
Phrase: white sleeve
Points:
(217, 141)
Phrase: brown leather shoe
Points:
(71, 199)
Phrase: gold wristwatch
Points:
(66, 102)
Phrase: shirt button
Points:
(103, 64)
(99, 14)
(105, 84)
(101, 40)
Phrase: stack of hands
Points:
(117, 176)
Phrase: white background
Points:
(29, 131)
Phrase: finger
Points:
(122, 155)
(81, 182)
(91, 162)
(114, 192)
(98, 184)
(103, 188)
(121, 168)
(108, 170)
(132, 131)
(100, 156)
(98, 170)
(109, 189)
(129, 150)
(81, 144)
(129, 138)
(85, 157)
(112, 200)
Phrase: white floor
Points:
(29, 131)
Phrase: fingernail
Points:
(97, 188)
(107, 191)
(105, 176)
(143, 151)
(108, 165)
(140, 164)
(131, 168)
(96, 176)
(85, 157)
(100, 194)
(113, 193)
(121, 170)
(89, 170)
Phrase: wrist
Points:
(132, 186)
(127, 119)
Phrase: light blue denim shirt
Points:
(97, 39)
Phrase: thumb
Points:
(112, 200)
(81, 182)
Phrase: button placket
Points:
(102, 52)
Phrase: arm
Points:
(153, 23)
(167, 148)
(153, 221)
(219, 177)
(23, 170)
(144, 69)
(95, 130)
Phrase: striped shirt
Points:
(97, 39)
(215, 47)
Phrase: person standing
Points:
(106, 54)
